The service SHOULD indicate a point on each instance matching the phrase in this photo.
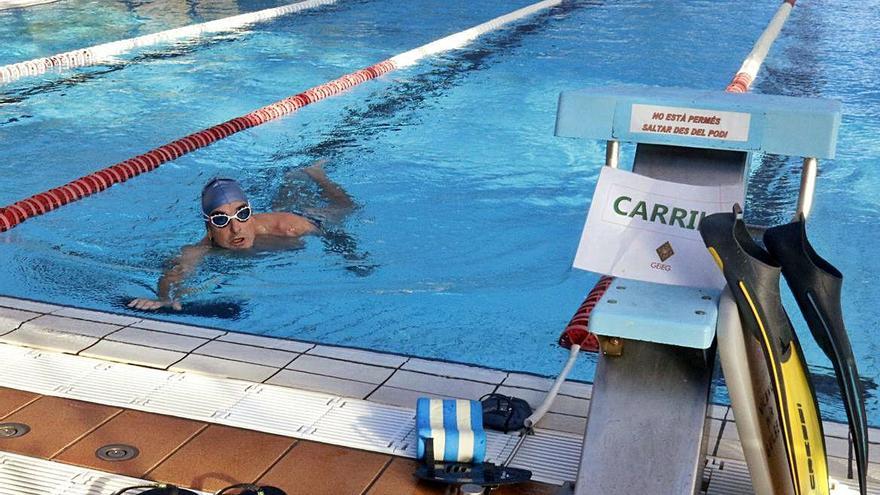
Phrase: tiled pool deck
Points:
(379, 378)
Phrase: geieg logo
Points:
(664, 252)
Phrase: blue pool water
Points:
(469, 208)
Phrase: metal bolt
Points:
(117, 452)
(707, 298)
(13, 430)
(700, 312)
(611, 346)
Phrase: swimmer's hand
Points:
(145, 304)
(315, 170)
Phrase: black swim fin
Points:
(816, 286)
(753, 278)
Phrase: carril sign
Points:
(658, 213)
(646, 229)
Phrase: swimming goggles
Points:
(220, 220)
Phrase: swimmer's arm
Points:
(331, 191)
(173, 277)
(181, 267)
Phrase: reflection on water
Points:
(19, 91)
(398, 105)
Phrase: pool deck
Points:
(83, 363)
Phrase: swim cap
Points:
(218, 192)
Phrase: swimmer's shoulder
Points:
(198, 248)
(284, 223)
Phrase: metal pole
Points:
(612, 154)
(808, 187)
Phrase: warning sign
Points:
(692, 122)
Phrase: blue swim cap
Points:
(218, 192)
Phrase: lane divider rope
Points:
(38, 204)
(95, 54)
(752, 64)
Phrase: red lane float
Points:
(752, 64)
(576, 332)
(38, 204)
(740, 84)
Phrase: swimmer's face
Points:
(235, 234)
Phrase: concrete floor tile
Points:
(86, 314)
(12, 399)
(718, 411)
(52, 340)
(563, 422)
(246, 353)
(730, 449)
(305, 470)
(564, 404)
(358, 355)
(837, 447)
(10, 319)
(341, 369)
(398, 479)
(439, 387)
(838, 469)
(874, 435)
(155, 436)
(712, 434)
(54, 424)
(453, 370)
(396, 396)
(575, 389)
(730, 431)
(267, 342)
(133, 354)
(873, 472)
(71, 325)
(834, 429)
(220, 456)
(224, 367)
(24, 304)
(154, 338)
(320, 383)
(874, 454)
(180, 329)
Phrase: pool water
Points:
(469, 209)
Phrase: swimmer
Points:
(230, 223)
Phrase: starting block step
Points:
(664, 314)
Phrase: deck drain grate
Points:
(13, 430)
(117, 452)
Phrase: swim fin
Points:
(753, 278)
(816, 286)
